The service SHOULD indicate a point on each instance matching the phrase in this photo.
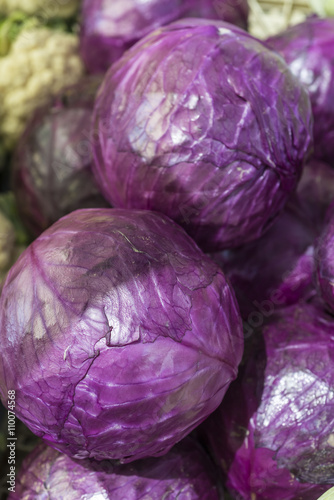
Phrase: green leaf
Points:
(9, 209)
(11, 26)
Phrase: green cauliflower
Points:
(40, 62)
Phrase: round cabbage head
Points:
(315, 192)
(274, 432)
(110, 27)
(184, 472)
(52, 173)
(201, 122)
(278, 269)
(234, 12)
(274, 271)
(118, 335)
(324, 259)
(308, 49)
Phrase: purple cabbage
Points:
(308, 49)
(185, 472)
(277, 269)
(315, 192)
(273, 271)
(203, 123)
(118, 335)
(52, 173)
(324, 260)
(109, 27)
(273, 435)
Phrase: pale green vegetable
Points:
(7, 241)
(267, 18)
(41, 62)
(329, 495)
(13, 237)
(323, 8)
(45, 8)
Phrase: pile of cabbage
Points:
(168, 330)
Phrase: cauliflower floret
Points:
(41, 62)
(45, 8)
(323, 7)
(267, 19)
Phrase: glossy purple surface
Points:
(52, 173)
(273, 433)
(308, 48)
(315, 192)
(203, 123)
(185, 472)
(118, 335)
(109, 27)
(324, 261)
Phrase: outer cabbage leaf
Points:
(52, 173)
(328, 495)
(118, 335)
(277, 269)
(273, 434)
(185, 472)
(203, 123)
(274, 271)
(324, 259)
(109, 27)
(308, 49)
(315, 192)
